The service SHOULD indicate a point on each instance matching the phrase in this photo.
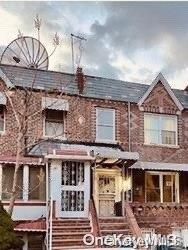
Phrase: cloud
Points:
(128, 40)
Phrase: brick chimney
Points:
(80, 79)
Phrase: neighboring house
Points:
(113, 143)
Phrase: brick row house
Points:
(108, 157)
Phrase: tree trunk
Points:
(15, 179)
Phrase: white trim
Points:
(161, 78)
(160, 117)
(158, 166)
(1, 180)
(25, 182)
(97, 139)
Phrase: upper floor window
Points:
(105, 124)
(54, 123)
(2, 119)
(160, 129)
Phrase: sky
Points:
(131, 41)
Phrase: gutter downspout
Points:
(47, 205)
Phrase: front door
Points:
(75, 189)
(109, 189)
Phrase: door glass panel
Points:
(168, 188)
(152, 188)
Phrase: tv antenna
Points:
(26, 51)
(80, 40)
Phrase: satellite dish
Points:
(27, 52)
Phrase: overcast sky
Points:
(131, 41)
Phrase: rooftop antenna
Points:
(29, 52)
(80, 39)
(38, 23)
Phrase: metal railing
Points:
(49, 219)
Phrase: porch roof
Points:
(31, 226)
(159, 166)
(100, 152)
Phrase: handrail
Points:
(94, 218)
(136, 230)
(49, 219)
(50, 223)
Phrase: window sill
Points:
(45, 137)
(106, 141)
(162, 145)
(25, 203)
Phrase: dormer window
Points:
(160, 129)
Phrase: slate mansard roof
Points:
(96, 87)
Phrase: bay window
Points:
(105, 124)
(160, 129)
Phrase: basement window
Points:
(105, 124)
(54, 123)
(160, 129)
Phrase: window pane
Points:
(105, 133)
(105, 117)
(168, 188)
(169, 137)
(37, 183)
(169, 123)
(151, 136)
(54, 129)
(7, 182)
(54, 115)
(35, 242)
(151, 122)
(152, 188)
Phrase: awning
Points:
(55, 104)
(66, 154)
(23, 160)
(102, 155)
(3, 99)
(159, 166)
(31, 226)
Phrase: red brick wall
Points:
(80, 124)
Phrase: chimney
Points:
(80, 79)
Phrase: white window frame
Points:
(113, 140)
(160, 116)
(63, 137)
(161, 174)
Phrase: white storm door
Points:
(75, 189)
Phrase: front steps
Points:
(114, 225)
(68, 233)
